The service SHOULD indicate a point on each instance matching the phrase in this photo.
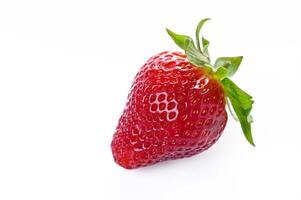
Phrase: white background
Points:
(65, 71)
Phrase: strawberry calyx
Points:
(223, 69)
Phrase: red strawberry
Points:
(176, 105)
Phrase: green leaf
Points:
(230, 63)
(194, 56)
(197, 32)
(221, 73)
(186, 43)
(242, 105)
(205, 43)
(181, 40)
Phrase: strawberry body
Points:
(174, 110)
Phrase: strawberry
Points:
(176, 105)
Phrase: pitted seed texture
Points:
(174, 110)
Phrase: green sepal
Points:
(197, 32)
(181, 40)
(186, 43)
(195, 57)
(230, 63)
(242, 105)
(221, 73)
(205, 43)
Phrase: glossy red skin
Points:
(174, 110)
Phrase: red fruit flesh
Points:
(174, 110)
